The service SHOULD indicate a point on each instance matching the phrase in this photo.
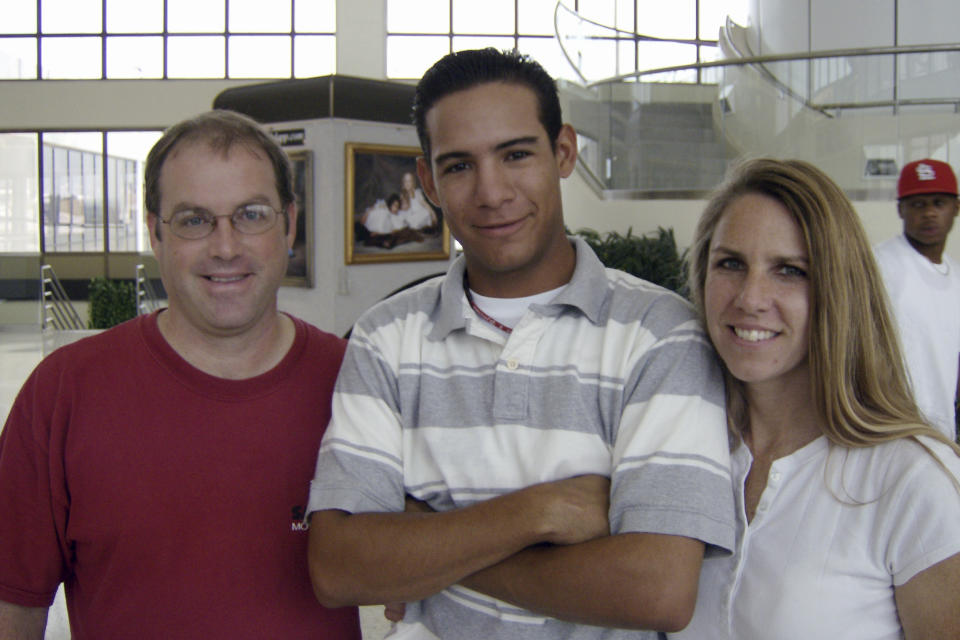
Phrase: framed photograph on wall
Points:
(300, 267)
(388, 218)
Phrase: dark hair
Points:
(221, 129)
(463, 70)
(393, 197)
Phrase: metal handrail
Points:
(147, 299)
(785, 57)
(56, 310)
(758, 62)
(728, 42)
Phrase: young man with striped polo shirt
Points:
(531, 446)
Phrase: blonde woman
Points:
(848, 503)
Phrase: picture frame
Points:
(881, 168)
(388, 219)
(300, 266)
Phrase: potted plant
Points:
(653, 257)
(111, 302)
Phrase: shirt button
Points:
(775, 476)
(512, 364)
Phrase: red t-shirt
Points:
(168, 501)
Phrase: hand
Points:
(394, 611)
(575, 509)
(571, 510)
(416, 506)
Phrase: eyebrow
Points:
(737, 254)
(257, 199)
(443, 157)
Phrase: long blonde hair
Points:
(859, 383)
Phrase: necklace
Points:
(480, 312)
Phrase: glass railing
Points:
(859, 114)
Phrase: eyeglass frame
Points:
(201, 210)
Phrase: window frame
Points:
(104, 36)
(635, 39)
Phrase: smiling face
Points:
(757, 294)
(495, 175)
(226, 283)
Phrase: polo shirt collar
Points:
(586, 291)
(449, 311)
(588, 288)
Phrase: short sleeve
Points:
(924, 513)
(33, 498)
(360, 462)
(671, 454)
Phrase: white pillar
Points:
(361, 38)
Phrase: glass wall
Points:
(72, 184)
(626, 35)
(19, 193)
(126, 153)
(95, 39)
(86, 187)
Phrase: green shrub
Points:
(111, 302)
(653, 257)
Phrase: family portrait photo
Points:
(388, 217)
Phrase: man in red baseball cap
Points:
(924, 287)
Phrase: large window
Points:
(94, 39)
(643, 34)
(85, 187)
(19, 193)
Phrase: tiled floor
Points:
(21, 348)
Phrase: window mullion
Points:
(105, 199)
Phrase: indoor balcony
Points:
(670, 132)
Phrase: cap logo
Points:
(925, 172)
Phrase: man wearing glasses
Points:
(159, 470)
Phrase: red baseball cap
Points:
(926, 176)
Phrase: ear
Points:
(900, 209)
(153, 226)
(291, 224)
(425, 174)
(565, 150)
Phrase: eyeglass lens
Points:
(250, 219)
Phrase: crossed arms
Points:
(545, 548)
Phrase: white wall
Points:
(361, 45)
(104, 104)
(341, 292)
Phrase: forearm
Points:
(372, 558)
(633, 580)
(376, 558)
(22, 623)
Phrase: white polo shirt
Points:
(835, 531)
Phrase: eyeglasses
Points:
(250, 219)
